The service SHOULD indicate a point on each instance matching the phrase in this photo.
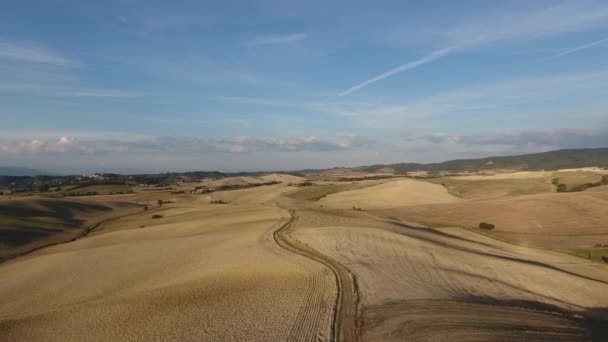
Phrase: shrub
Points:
(605, 258)
(562, 188)
(218, 202)
(604, 180)
(156, 216)
(486, 226)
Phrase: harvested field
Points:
(283, 178)
(29, 223)
(275, 262)
(319, 190)
(508, 175)
(236, 182)
(557, 220)
(462, 321)
(409, 278)
(574, 179)
(189, 275)
(494, 187)
(390, 194)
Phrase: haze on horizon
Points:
(144, 86)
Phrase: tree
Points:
(486, 226)
(160, 203)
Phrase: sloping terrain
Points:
(390, 194)
(32, 222)
(263, 264)
(199, 271)
(417, 283)
(552, 160)
(283, 178)
(556, 220)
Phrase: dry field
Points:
(32, 222)
(200, 272)
(390, 194)
(420, 283)
(556, 220)
(278, 262)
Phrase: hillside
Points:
(552, 160)
(30, 223)
(23, 171)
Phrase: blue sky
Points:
(148, 86)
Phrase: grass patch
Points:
(492, 188)
(31, 222)
(318, 191)
(578, 181)
(595, 254)
(486, 226)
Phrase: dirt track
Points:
(270, 267)
(202, 272)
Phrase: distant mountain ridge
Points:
(23, 171)
(552, 160)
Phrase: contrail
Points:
(426, 59)
(582, 47)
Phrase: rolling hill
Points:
(23, 171)
(552, 160)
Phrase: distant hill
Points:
(553, 160)
(23, 171)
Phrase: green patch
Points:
(490, 188)
(574, 181)
(486, 226)
(33, 222)
(318, 191)
(590, 253)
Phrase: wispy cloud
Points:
(62, 90)
(32, 54)
(556, 96)
(552, 139)
(274, 40)
(566, 17)
(100, 143)
(580, 47)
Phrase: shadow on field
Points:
(595, 320)
(25, 221)
(60, 209)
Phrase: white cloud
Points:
(529, 139)
(63, 90)
(274, 40)
(119, 143)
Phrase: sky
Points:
(156, 86)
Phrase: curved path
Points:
(201, 272)
(345, 326)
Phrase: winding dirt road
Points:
(269, 267)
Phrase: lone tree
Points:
(486, 226)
